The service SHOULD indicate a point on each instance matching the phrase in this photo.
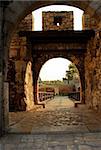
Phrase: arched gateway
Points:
(86, 45)
(45, 45)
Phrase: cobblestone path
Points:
(59, 126)
(59, 115)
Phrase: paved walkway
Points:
(59, 126)
(53, 141)
(59, 115)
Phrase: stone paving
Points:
(51, 141)
(59, 115)
(59, 126)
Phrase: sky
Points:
(55, 68)
(77, 15)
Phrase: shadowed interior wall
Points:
(17, 73)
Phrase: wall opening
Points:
(58, 77)
(57, 20)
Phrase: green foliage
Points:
(70, 72)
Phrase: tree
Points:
(71, 72)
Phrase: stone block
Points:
(23, 52)
(85, 147)
(58, 147)
(13, 53)
(66, 20)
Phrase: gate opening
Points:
(58, 77)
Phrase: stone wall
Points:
(93, 64)
(17, 72)
(28, 87)
(18, 44)
(89, 22)
(57, 20)
(93, 72)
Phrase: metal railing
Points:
(42, 96)
(74, 95)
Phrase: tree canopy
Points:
(71, 71)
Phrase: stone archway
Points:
(44, 74)
(78, 62)
(45, 45)
(14, 12)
